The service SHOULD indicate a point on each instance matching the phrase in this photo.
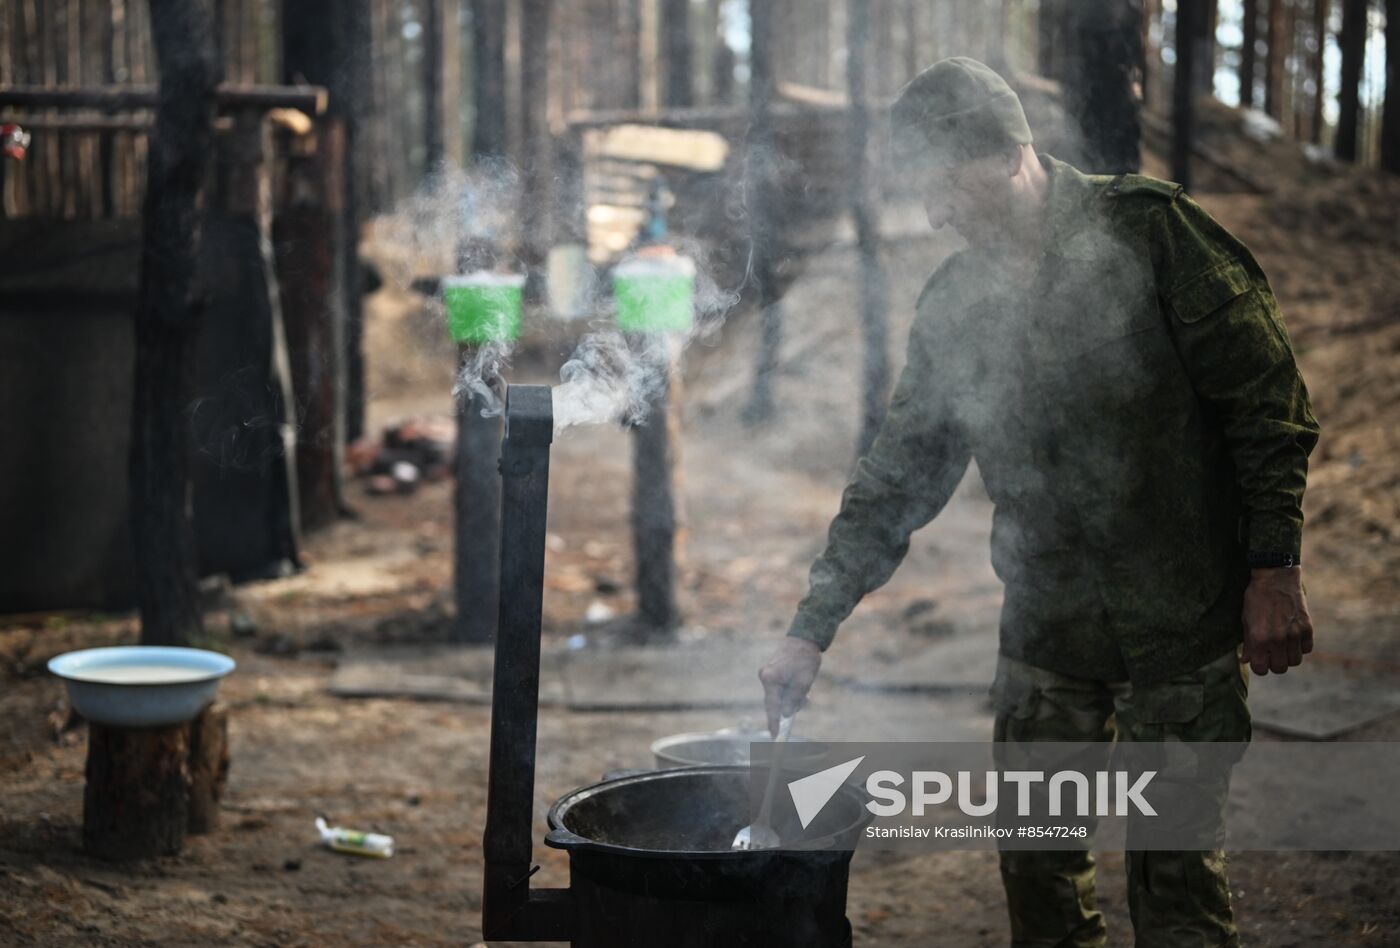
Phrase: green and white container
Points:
(483, 307)
(655, 294)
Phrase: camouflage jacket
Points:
(1136, 415)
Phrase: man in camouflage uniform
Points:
(1116, 363)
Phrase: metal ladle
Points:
(760, 833)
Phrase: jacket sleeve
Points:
(1230, 335)
(916, 461)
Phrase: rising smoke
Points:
(463, 220)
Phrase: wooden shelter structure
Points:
(69, 286)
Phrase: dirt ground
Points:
(757, 505)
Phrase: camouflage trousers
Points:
(1175, 898)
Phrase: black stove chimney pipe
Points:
(510, 910)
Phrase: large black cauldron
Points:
(650, 864)
(649, 858)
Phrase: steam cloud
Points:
(460, 220)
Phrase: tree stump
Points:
(136, 802)
(208, 768)
(148, 787)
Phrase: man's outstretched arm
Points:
(914, 464)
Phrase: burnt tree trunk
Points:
(1098, 75)
(135, 803)
(1353, 42)
(167, 317)
(489, 71)
(675, 54)
(875, 377)
(1390, 116)
(1250, 16)
(1184, 91)
(760, 184)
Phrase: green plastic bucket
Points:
(483, 307)
(655, 294)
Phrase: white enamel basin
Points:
(141, 685)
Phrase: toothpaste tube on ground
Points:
(354, 842)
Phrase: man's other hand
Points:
(787, 677)
(1278, 631)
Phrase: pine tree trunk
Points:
(762, 207)
(1288, 78)
(306, 238)
(489, 62)
(328, 42)
(434, 144)
(536, 190)
(1321, 10)
(1049, 30)
(912, 65)
(1247, 52)
(722, 92)
(873, 320)
(167, 317)
(1206, 51)
(1149, 55)
(1390, 116)
(401, 83)
(631, 54)
(1353, 42)
(1273, 61)
(1184, 91)
(1098, 74)
(676, 58)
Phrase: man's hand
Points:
(787, 678)
(1278, 631)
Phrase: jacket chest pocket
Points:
(1101, 339)
(1118, 374)
(1109, 379)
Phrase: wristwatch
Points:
(1272, 560)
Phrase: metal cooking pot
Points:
(650, 864)
(649, 857)
(727, 747)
